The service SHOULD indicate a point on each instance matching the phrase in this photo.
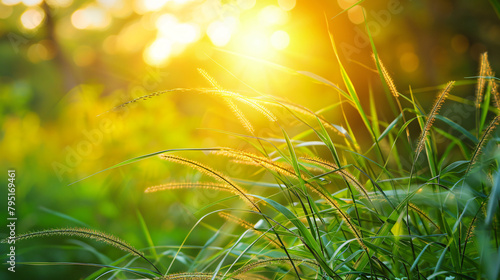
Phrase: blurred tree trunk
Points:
(65, 67)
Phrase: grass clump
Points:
(383, 210)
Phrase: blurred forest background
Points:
(65, 63)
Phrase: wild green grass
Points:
(404, 206)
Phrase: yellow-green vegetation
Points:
(186, 139)
(360, 211)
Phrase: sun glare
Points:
(256, 43)
(186, 33)
(176, 25)
(158, 52)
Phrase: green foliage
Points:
(349, 216)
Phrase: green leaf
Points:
(496, 6)
(304, 233)
(458, 128)
(64, 216)
(145, 230)
(454, 167)
(398, 227)
(493, 200)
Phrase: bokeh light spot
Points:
(186, 33)
(30, 3)
(59, 3)
(165, 23)
(36, 53)
(280, 40)
(91, 17)
(356, 15)
(143, 6)
(272, 15)
(109, 3)
(43, 50)
(169, 27)
(409, 62)
(11, 2)
(344, 4)
(32, 18)
(287, 5)
(246, 4)
(219, 33)
(133, 38)
(180, 2)
(117, 8)
(255, 43)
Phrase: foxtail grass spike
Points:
(387, 77)
(218, 90)
(86, 233)
(253, 103)
(423, 215)
(342, 172)
(239, 114)
(305, 111)
(494, 91)
(482, 141)
(253, 159)
(272, 165)
(432, 116)
(272, 261)
(247, 225)
(483, 72)
(175, 186)
(154, 94)
(189, 275)
(494, 88)
(211, 173)
(209, 78)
